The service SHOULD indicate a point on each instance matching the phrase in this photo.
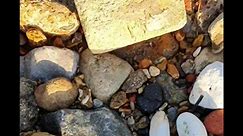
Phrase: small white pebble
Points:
(146, 72)
(123, 114)
(140, 90)
(85, 100)
(81, 92)
(196, 52)
(130, 121)
(154, 71)
(132, 105)
(163, 106)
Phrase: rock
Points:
(214, 122)
(196, 52)
(188, 124)
(146, 72)
(198, 40)
(21, 66)
(162, 65)
(190, 29)
(184, 103)
(216, 32)
(188, 66)
(22, 39)
(142, 123)
(41, 134)
(208, 13)
(78, 81)
(51, 17)
(206, 57)
(144, 63)
(56, 94)
(135, 80)
(85, 98)
(210, 84)
(140, 90)
(143, 132)
(172, 70)
(104, 74)
(130, 121)
(35, 37)
(49, 62)
(58, 42)
(151, 98)
(118, 99)
(172, 94)
(97, 103)
(159, 125)
(179, 35)
(117, 25)
(76, 40)
(165, 104)
(98, 122)
(28, 107)
(154, 71)
(183, 109)
(172, 113)
(184, 45)
(189, 6)
(191, 78)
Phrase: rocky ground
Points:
(169, 85)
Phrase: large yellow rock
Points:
(112, 24)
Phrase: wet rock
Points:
(118, 99)
(209, 84)
(104, 74)
(151, 98)
(56, 94)
(172, 113)
(154, 71)
(172, 70)
(172, 94)
(36, 37)
(188, 66)
(97, 103)
(101, 122)
(206, 57)
(51, 17)
(49, 62)
(159, 125)
(28, 107)
(214, 122)
(135, 80)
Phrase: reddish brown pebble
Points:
(172, 70)
(133, 98)
(188, 6)
(214, 122)
(183, 45)
(190, 78)
(58, 42)
(145, 63)
(183, 109)
(126, 111)
(22, 51)
(179, 35)
(198, 41)
(162, 65)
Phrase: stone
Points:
(183, 109)
(159, 125)
(184, 45)
(142, 123)
(115, 24)
(184, 103)
(51, 17)
(191, 78)
(28, 107)
(35, 37)
(165, 104)
(196, 52)
(214, 122)
(171, 93)
(151, 98)
(207, 13)
(98, 122)
(22, 39)
(206, 57)
(56, 94)
(146, 72)
(85, 98)
(41, 134)
(78, 81)
(188, 124)
(58, 42)
(144, 63)
(104, 74)
(188, 66)
(198, 40)
(135, 80)
(172, 70)
(162, 65)
(140, 90)
(179, 35)
(118, 99)
(97, 103)
(48, 62)
(21, 66)
(76, 40)
(209, 84)
(216, 33)
(154, 71)
(190, 29)
(130, 121)
(172, 113)
(189, 6)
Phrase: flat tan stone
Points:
(112, 24)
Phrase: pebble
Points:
(183, 109)
(154, 71)
(70, 122)
(118, 99)
(179, 35)
(146, 72)
(189, 6)
(196, 52)
(209, 83)
(184, 45)
(188, 66)
(188, 124)
(159, 60)
(159, 125)
(132, 105)
(36, 37)
(198, 40)
(76, 40)
(85, 97)
(56, 94)
(140, 90)
(184, 103)
(58, 42)
(144, 63)
(97, 103)
(172, 70)
(130, 121)
(165, 104)
(142, 123)
(172, 113)
(22, 39)
(104, 74)
(151, 98)
(126, 111)
(162, 65)
(191, 78)
(78, 81)
(214, 122)
(41, 134)
(135, 80)
(48, 62)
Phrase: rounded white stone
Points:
(154, 71)
(159, 125)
